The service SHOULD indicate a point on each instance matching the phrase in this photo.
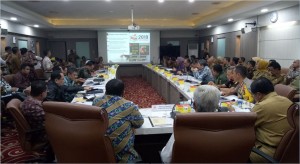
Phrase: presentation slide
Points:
(128, 47)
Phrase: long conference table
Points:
(150, 139)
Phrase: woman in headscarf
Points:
(179, 65)
(261, 69)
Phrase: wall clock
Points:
(274, 17)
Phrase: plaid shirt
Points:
(204, 75)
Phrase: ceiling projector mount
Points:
(248, 29)
(133, 26)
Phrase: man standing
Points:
(271, 123)
(47, 64)
(124, 117)
(15, 61)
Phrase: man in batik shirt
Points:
(124, 117)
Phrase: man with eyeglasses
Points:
(56, 91)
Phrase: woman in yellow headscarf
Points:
(261, 69)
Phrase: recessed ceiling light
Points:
(161, 1)
(264, 10)
(13, 18)
(191, 0)
(230, 20)
(36, 25)
(107, 0)
(208, 26)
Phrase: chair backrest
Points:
(22, 125)
(39, 73)
(285, 91)
(77, 133)
(9, 79)
(288, 148)
(216, 137)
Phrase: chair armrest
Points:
(264, 155)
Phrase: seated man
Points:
(56, 91)
(70, 87)
(220, 77)
(202, 72)
(250, 68)
(294, 71)
(124, 117)
(275, 73)
(243, 88)
(271, 123)
(34, 113)
(206, 100)
(85, 72)
(21, 79)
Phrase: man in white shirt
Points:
(206, 99)
(47, 64)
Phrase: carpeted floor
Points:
(136, 90)
(11, 151)
(140, 92)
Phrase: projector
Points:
(133, 27)
(246, 30)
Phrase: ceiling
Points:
(149, 14)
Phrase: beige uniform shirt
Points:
(271, 124)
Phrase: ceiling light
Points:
(13, 18)
(107, 0)
(161, 1)
(208, 26)
(191, 1)
(264, 10)
(230, 20)
(36, 25)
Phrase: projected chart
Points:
(125, 47)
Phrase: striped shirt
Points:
(123, 117)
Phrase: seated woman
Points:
(179, 65)
(261, 69)
(206, 99)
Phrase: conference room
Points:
(155, 81)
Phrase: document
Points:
(160, 121)
(166, 107)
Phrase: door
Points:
(83, 49)
(3, 45)
(238, 46)
(37, 48)
(221, 47)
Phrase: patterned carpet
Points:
(136, 90)
(140, 92)
(11, 151)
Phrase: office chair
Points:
(285, 91)
(77, 133)
(288, 148)
(9, 79)
(26, 134)
(213, 137)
